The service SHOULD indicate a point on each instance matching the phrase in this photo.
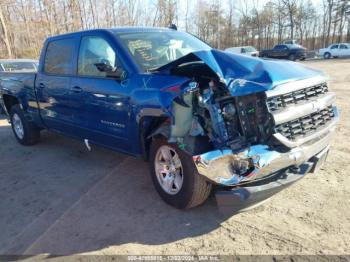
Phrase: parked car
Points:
(291, 52)
(335, 50)
(18, 65)
(200, 116)
(244, 50)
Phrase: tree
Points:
(4, 35)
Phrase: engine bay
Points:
(207, 117)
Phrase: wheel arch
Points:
(10, 101)
(151, 127)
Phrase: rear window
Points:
(59, 57)
(280, 47)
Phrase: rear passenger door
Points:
(53, 84)
(344, 50)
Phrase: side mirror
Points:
(110, 70)
(104, 67)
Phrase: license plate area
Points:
(319, 160)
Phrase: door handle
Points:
(77, 89)
(41, 85)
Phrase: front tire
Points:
(25, 132)
(175, 177)
(327, 55)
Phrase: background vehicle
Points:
(291, 52)
(18, 65)
(335, 50)
(185, 107)
(244, 50)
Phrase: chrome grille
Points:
(302, 95)
(306, 125)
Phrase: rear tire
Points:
(292, 57)
(26, 132)
(194, 189)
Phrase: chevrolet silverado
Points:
(203, 118)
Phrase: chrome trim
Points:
(295, 85)
(216, 165)
(297, 111)
(319, 133)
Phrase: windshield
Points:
(151, 50)
(249, 49)
(19, 66)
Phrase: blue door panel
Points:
(102, 109)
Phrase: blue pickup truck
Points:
(204, 119)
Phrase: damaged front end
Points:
(249, 122)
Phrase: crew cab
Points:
(335, 50)
(285, 51)
(203, 118)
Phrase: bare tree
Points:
(4, 35)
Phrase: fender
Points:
(20, 86)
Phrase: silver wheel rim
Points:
(168, 170)
(18, 126)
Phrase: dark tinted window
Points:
(59, 57)
(334, 47)
(343, 47)
(280, 47)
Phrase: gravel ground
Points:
(57, 198)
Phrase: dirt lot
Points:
(58, 198)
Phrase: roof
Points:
(123, 29)
(128, 29)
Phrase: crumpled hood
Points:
(243, 74)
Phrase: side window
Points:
(343, 47)
(93, 51)
(59, 57)
(334, 47)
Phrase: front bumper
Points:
(242, 198)
(217, 165)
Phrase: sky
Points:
(223, 3)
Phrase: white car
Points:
(335, 50)
(244, 50)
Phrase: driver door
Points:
(101, 101)
(335, 50)
(284, 52)
(276, 51)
